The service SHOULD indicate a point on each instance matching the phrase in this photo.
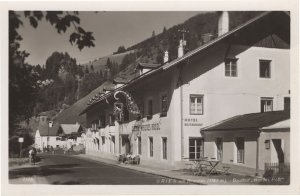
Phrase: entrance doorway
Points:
(278, 153)
(125, 144)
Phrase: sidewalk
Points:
(179, 175)
(26, 179)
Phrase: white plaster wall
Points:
(226, 97)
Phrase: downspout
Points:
(179, 83)
(257, 153)
(181, 110)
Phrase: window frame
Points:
(231, 60)
(148, 115)
(270, 68)
(202, 103)
(267, 99)
(163, 113)
(164, 148)
(139, 145)
(201, 149)
(111, 119)
(151, 146)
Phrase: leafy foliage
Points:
(121, 49)
(23, 86)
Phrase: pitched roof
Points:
(43, 129)
(285, 124)
(71, 114)
(250, 121)
(70, 128)
(233, 33)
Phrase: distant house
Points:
(70, 130)
(44, 132)
(69, 134)
(250, 140)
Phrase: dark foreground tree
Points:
(23, 87)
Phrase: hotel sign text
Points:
(148, 127)
(191, 122)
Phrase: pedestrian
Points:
(34, 152)
(30, 155)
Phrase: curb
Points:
(87, 157)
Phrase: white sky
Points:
(110, 29)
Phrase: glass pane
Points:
(192, 156)
(192, 149)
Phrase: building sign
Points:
(191, 122)
(147, 127)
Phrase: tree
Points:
(80, 71)
(153, 33)
(87, 70)
(92, 68)
(23, 87)
(164, 30)
(121, 49)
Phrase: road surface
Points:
(67, 169)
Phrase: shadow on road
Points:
(70, 182)
(45, 170)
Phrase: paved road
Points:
(67, 169)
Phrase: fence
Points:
(278, 168)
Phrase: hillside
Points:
(100, 63)
(150, 50)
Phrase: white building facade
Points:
(236, 73)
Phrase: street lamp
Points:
(50, 123)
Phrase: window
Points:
(102, 121)
(151, 146)
(126, 114)
(164, 148)
(219, 144)
(196, 148)
(164, 105)
(267, 144)
(231, 67)
(265, 68)
(139, 145)
(287, 103)
(150, 111)
(196, 104)
(111, 120)
(94, 124)
(112, 145)
(103, 142)
(240, 145)
(266, 104)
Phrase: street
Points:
(67, 169)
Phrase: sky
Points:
(110, 30)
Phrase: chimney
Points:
(223, 24)
(180, 49)
(166, 57)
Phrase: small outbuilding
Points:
(251, 142)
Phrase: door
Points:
(278, 149)
(219, 145)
